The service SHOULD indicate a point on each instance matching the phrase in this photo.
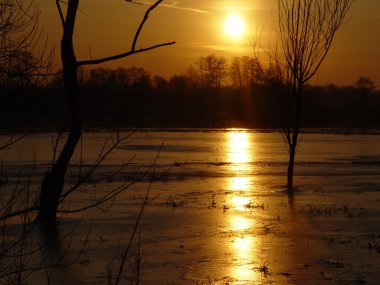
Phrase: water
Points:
(202, 154)
(217, 212)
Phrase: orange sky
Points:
(106, 27)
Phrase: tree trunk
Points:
(53, 182)
(297, 94)
(292, 154)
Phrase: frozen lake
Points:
(217, 211)
(207, 154)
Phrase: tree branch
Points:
(121, 55)
(146, 16)
(60, 12)
(133, 47)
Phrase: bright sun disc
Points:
(234, 26)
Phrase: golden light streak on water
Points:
(238, 147)
(240, 223)
(240, 183)
(240, 203)
(244, 248)
(240, 152)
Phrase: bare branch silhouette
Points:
(122, 55)
(306, 32)
(54, 180)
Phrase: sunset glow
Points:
(234, 26)
(207, 27)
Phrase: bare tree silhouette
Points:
(365, 85)
(213, 70)
(21, 62)
(53, 182)
(19, 36)
(306, 32)
(246, 72)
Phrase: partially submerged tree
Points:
(306, 31)
(54, 180)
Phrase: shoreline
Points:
(342, 131)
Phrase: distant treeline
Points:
(210, 94)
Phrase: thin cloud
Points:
(208, 6)
(175, 5)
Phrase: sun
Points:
(234, 26)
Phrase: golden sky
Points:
(198, 26)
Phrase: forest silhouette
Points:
(133, 98)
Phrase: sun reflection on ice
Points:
(239, 147)
(240, 203)
(240, 183)
(240, 154)
(239, 223)
(244, 269)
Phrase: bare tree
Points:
(54, 180)
(365, 85)
(306, 32)
(20, 60)
(213, 70)
(246, 72)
